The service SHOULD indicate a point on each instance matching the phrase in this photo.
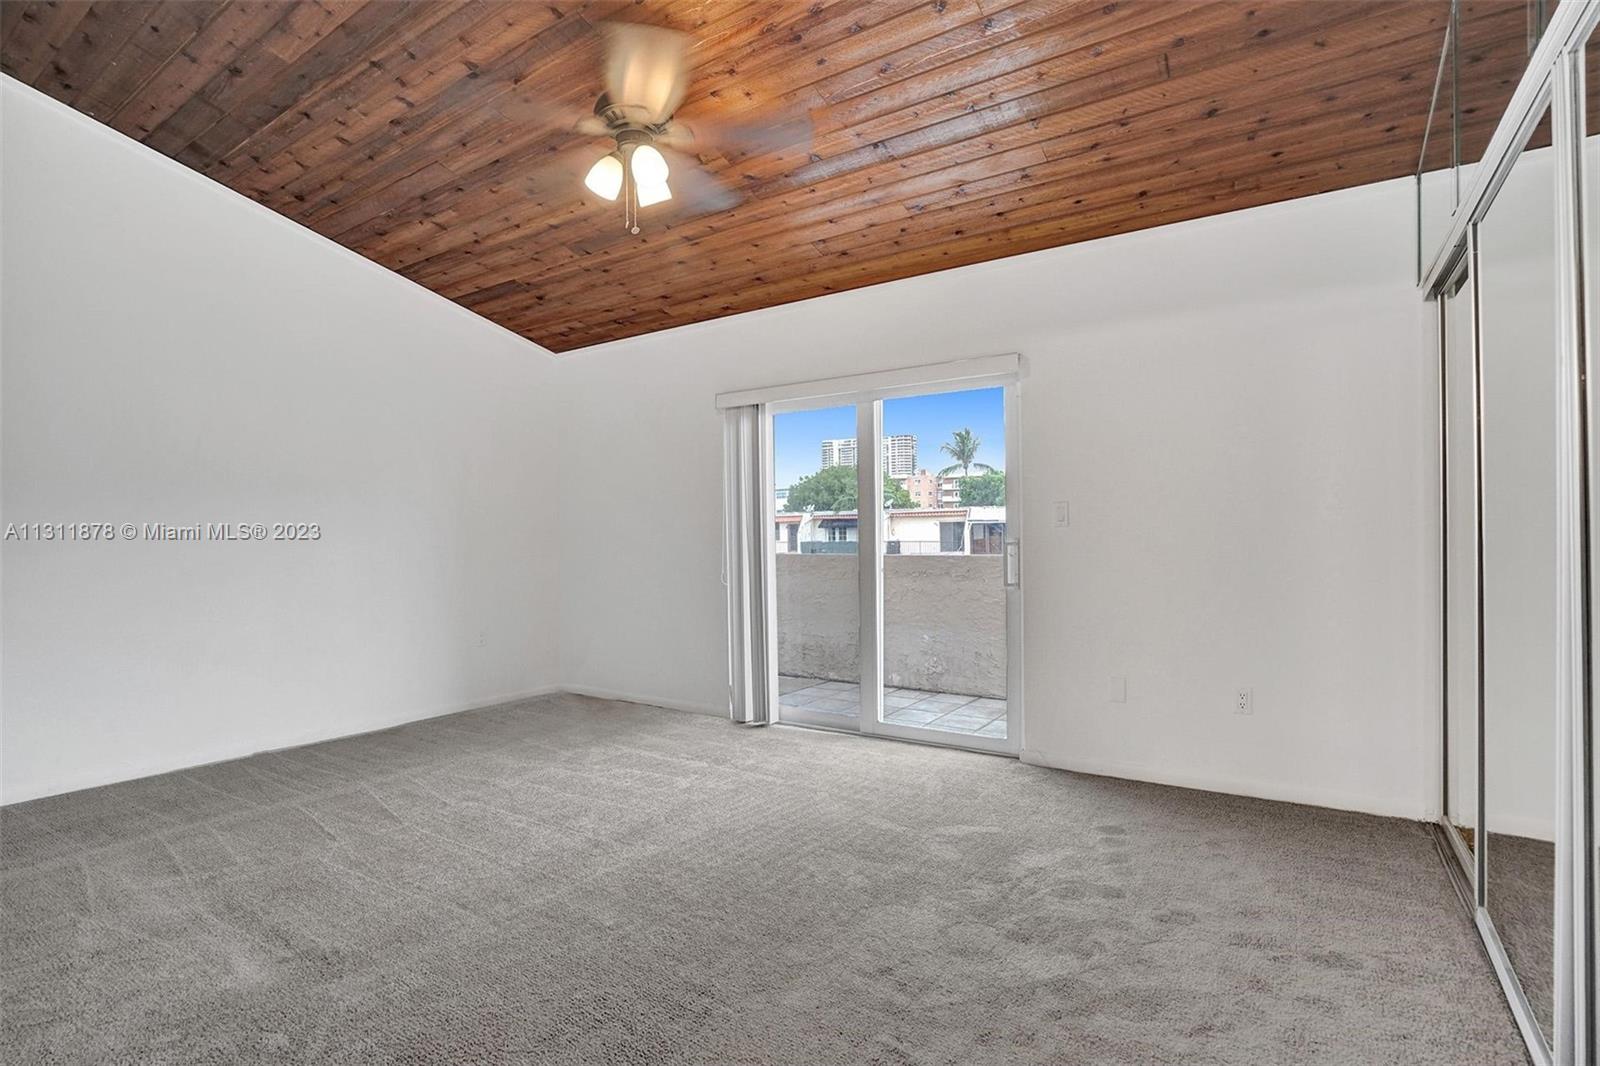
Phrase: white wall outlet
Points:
(1243, 703)
(1062, 516)
(1119, 690)
(481, 640)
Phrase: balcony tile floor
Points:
(812, 701)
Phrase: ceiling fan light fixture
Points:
(653, 192)
(605, 177)
(649, 166)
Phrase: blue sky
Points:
(797, 437)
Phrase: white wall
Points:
(174, 353)
(1240, 412)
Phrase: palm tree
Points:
(963, 448)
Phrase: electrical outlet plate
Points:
(1243, 702)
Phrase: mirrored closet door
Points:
(1459, 489)
(1510, 263)
(1517, 316)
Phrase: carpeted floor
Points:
(570, 880)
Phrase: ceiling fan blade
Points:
(695, 191)
(787, 133)
(646, 69)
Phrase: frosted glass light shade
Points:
(653, 193)
(649, 166)
(605, 177)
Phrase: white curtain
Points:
(744, 570)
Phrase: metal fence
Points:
(915, 547)
(890, 547)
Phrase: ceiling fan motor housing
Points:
(632, 137)
(619, 123)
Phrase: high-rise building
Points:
(839, 452)
(899, 454)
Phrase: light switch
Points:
(1119, 690)
(1061, 514)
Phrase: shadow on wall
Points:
(944, 621)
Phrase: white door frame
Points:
(866, 392)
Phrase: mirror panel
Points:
(1517, 305)
(1461, 567)
(1590, 149)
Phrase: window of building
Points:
(988, 538)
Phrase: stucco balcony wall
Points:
(944, 621)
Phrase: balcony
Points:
(835, 704)
(944, 641)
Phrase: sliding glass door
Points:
(816, 541)
(946, 648)
(896, 564)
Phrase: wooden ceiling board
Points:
(436, 136)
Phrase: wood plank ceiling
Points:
(437, 137)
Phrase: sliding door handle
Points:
(1013, 564)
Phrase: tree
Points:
(895, 494)
(833, 488)
(984, 490)
(963, 448)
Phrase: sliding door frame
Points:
(870, 415)
(866, 392)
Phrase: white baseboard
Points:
(651, 701)
(225, 753)
(1269, 790)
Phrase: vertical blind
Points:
(744, 564)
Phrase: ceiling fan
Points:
(645, 76)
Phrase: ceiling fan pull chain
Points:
(631, 211)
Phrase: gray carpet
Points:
(573, 881)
